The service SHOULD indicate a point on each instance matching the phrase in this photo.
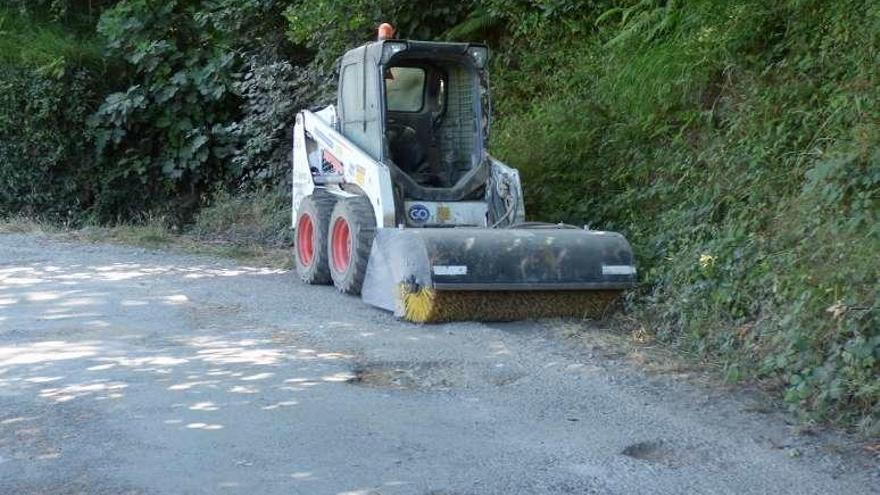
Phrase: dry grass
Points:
(153, 233)
(629, 340)
(24, 225)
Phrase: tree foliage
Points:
(165, 132)
(332, 26)
(45, 152)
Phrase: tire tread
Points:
(320, 204)
(359, 214)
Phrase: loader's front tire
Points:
(312, 222)
(352, 229)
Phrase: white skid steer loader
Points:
(396, 198)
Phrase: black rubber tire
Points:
(318, 206)
(358, 212)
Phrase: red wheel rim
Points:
(305, 245)
(340, 244)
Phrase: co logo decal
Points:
(419, 213)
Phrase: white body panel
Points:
(349, 164)
(303, 185)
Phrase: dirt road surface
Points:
(124, 370)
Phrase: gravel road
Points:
(125, 370)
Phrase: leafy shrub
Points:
(165, 133)
(735, 143)
(272, 91)
(49, 83)
(44, 149)
(213, 94)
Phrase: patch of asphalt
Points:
(124, 370)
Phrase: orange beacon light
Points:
(386, 31)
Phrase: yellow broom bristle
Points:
(433, 306)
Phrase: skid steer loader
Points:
(396, 198)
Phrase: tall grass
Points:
(27, 40)
(257, 218)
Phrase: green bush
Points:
(735, 143)
(49, 84)
(211, 96)
(164, 133)
(44, 149)
(272, 92)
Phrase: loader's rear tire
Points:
(311, 238)
(352, 229)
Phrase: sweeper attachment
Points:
(395, 198)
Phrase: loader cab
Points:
(421, 108)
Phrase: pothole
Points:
(504, 376)
(654, 452)
(406, 375)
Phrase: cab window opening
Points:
(405, 89)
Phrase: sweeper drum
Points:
(430, 275)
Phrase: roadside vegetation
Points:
(735, 143)
(155, 233)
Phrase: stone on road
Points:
(125, 370)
